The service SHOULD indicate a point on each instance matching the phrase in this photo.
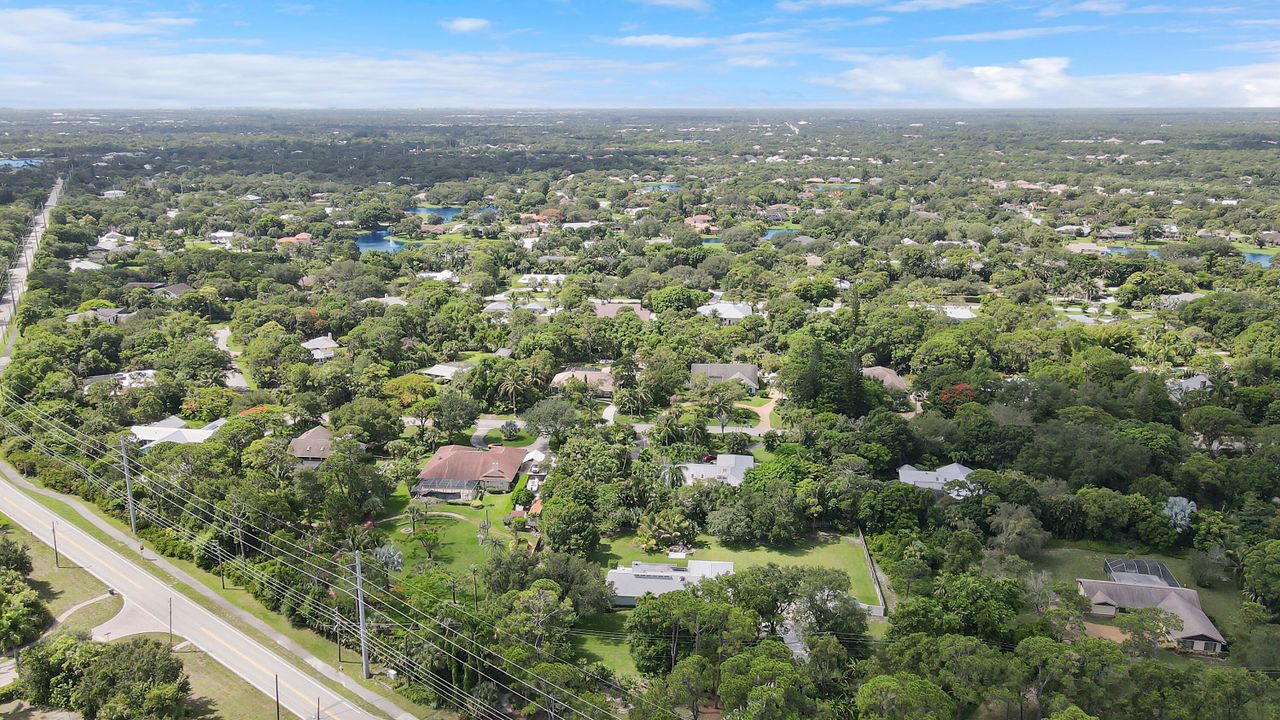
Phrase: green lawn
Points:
(60, 587)
(761, 455)
(755, 402)
(216, 692)
(1067, 562)
(91, 616)
(320, 646)
(522, 439)
(826, 551)
(611, 650)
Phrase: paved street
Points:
(250, 659)
(21, 266)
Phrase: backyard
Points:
(1067, 562)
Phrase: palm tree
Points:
(671, 475)
(718, 405)
(453, 582)
(513, 381)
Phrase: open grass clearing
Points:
(823, 550)
(1067, 562)
(62, 587)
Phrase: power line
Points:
(161, 482)
(335, 583)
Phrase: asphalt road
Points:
(247, 657)
(18, 273)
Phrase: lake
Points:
(1262, 259)
(447, 213)
(378, 240)
(20, 162)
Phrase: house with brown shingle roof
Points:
(312, 447)
(457, 472)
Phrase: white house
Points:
(322, 348)
(174, 429)
(726, 470)
(934, 479)
(83, 265)
(728, 313)
(643, 578)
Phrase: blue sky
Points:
(642, 53)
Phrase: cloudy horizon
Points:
(660, 54)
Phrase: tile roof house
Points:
(934, 479)
(726, 470)
(599, 380)
(744, 373)
(644, 578)
(613, 309)
(457, 472)
(312, 446)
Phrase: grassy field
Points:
(1068, 562)
(91, 616)
(522, 439)
(216, 692)
(831, 551)
(60, 587)
(606, 647)
(314, 643)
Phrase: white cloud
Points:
(1101, 7)
(918, 5)
(695, 5)
(802, 5)
(1014, 34)
(750, 61)
(1046, 82)
(465, 25)
(664, 41)
(37, 25)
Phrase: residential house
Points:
(292, 242)
(444, 372)
(727, 312)
(174, 429)
(612, 309)
(312, 447)
(222, 238)
(726, 470)
(887, 377)
(1131, 586)
(701, 223)
(457, 472)
(113, 194)
(124, 381)
(173, 292)
(83, 265)
(601, 381)
(444, 276)
(322, 348)
(646, 578)
(1195, 383)
(748, 375)
(935, 480)
(110, 316)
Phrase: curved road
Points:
(242, 654)
(300, 693)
